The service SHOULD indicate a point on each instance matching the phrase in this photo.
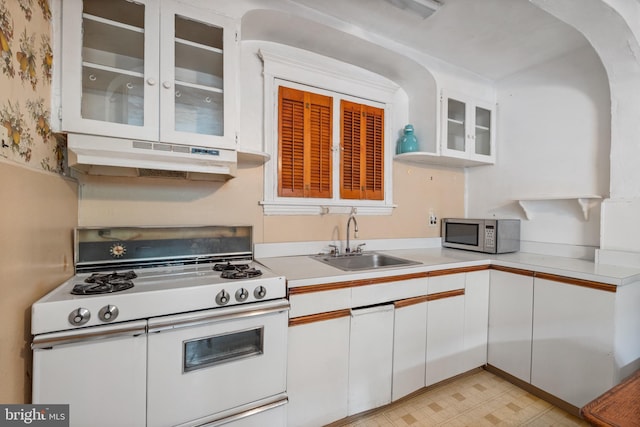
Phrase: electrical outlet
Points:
(433, 219)
(4, 136)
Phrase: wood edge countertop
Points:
(619, 407)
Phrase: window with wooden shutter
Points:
(304, 144)
(362, 151)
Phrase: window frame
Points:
(339, 81)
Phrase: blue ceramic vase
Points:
(407, 142)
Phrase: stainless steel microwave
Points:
(492, 236)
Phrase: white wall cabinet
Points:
(409, 346)
(467, 134)
(150, 70)
(510, 322)
(573, 341)
(318, 372)
(468, 128)
(445, 327)
(370, 357)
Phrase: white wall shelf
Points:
(585, 203)
(252, 157)
(425, 158)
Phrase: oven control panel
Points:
(241, 295)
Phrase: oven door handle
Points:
(189, 320)
(48, 341)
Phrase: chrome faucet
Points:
(355, 230)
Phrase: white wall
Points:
(613, 27)
(553, 139)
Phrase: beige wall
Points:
(150, 201)
(39, 211)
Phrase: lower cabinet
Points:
(370, 358)
(571, 338)
(409, 346)
(445, 335)
(573, 341)
(411, 332)
(566, 337)
(318, 369)
(476, 315)
(511, 322)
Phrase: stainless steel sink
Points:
(363, 261)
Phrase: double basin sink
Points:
(363, 261)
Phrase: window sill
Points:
(298, 208)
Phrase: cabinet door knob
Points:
(151, 82)
(166, 85)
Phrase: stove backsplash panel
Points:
(104, 245)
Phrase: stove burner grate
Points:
(230, 267)
(237, 271)
(247, 273)
(101, 283)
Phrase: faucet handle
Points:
(359, 248)
(334, 250)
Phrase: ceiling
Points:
(492, 38)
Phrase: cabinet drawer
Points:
(384, 292)
(319, 302)
(445, 283)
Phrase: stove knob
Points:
(242, 294)
(260, 292)
(108, 313)
(79, 316)
(222, 298)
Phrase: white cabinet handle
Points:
(166, 85)
(151, 82)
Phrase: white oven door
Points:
(207, 362)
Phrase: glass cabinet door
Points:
(199, 76)
(196, 76)
(483, 131)
(456, 122)
(109, 68)
(113, 62)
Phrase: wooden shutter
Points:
(304, 144)
(291, 143)
(362, 152)
(350, 150)
(374, 154)
(321, 140)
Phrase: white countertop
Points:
(302, 270)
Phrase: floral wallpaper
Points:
(26, 59)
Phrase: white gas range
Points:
(171, 326)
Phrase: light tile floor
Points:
(474, 400)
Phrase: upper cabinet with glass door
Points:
(468, 130)
(154, 70)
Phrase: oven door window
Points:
(217, 349)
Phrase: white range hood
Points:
(99, 155)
